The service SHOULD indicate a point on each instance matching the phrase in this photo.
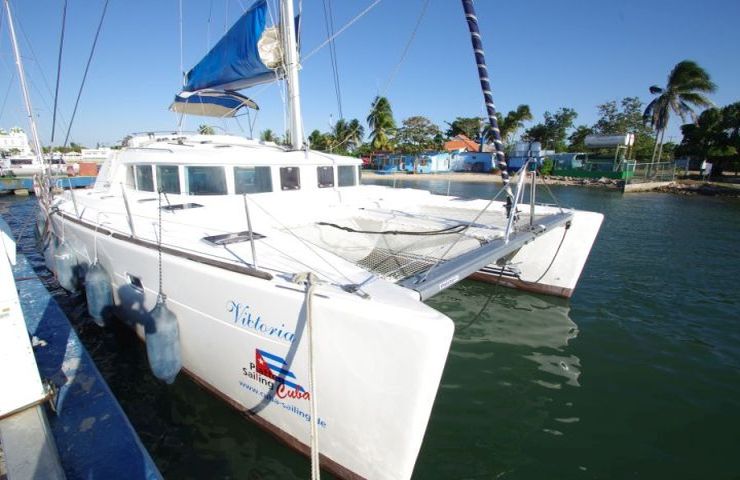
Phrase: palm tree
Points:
(381, 124)
(513, 121)
(687, 84)
(355, 134)
(206, 129)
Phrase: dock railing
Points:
(650, 172)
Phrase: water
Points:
(637, 376)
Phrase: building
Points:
(461, 143)
(97, 155)
(14, 142)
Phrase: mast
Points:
(291, 74)
(24, 87)
(485, 85)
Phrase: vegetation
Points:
(345, 138)
(468, 126)
(687, 84)
(268, 136)
(715, 136)
(418, 134)
(381, 123)
(553, 131)
(577, 139)
(614, 120)
(204, 129)
(510, 124)
(73, 147)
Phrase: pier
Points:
(71, 426)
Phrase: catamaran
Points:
(279, 282)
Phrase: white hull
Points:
(375, 387)
(548, 267)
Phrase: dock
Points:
(13, 184)
(70, 425)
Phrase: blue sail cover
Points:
(234, 62)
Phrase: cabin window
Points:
(347, 176)
(290, 178)
(252, 180)
(206, 180)
(144, 178)
(168, 178)
(325, 176)
(130, 182)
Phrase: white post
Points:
(291, 71)
(24, 88)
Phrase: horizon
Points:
(136, 78)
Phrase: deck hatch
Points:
(181, 206)
(229, 238)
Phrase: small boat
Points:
(278, 281)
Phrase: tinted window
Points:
(206, 180)
(168, 178)
(144, 178)
(326, 176)
(290, 178)
(252, 180)
(347, 175)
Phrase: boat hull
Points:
(553, 264)
(378, 365)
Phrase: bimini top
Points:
(211, 103)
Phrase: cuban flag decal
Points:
(275, 368)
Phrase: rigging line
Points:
(35, 59)
(59, 72)
(565, 232)
(332, 53)
(304, 242)
(182, 72)
(395, 70)
(7, 92)
(337, 82)
(341, 30)
(208, 27)
(408, 45)
(87, 68)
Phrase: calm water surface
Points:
(637, 376)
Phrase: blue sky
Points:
(547, 54)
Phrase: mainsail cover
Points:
(234, 62)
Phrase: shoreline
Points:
(677, 187)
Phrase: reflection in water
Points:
(495, 315)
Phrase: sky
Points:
(544, 53)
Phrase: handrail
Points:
(517, 197)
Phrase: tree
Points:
(554, 130)
(614, 120)
(204, 129)
(318, 141)
(381, 123)
(355, 134)
(268, 136)
(468, 126)
(511, 123)
(577, 139)
(687, 84)
(713, 137)
(418, 134)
